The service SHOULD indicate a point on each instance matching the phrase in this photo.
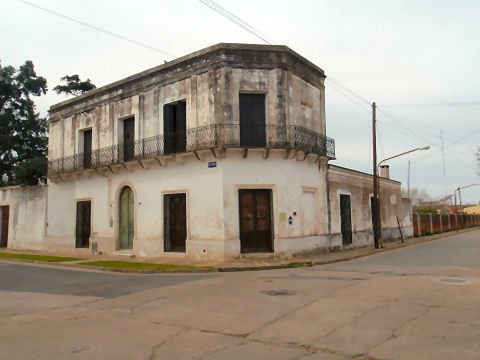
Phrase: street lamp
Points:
(460, 198)
(379, 244)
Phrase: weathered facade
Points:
(219, 153)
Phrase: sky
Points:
(418, 60)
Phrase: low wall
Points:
(26, 221)
(426, 224)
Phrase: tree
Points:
(23, 133)
(418, 196)
(74, 86)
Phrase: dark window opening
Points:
(252, 120)
(4, 216)
(175, 127)
(175, 222)
(83, 224)
(346, 219)
(128, 139)
(87, 149)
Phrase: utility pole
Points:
(408, 180)
(375, 207)
(443, 162)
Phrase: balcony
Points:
(201, 138)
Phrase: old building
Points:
(219, 153)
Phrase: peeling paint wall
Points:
(360, 188)
(27, 210)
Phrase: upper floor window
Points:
(252, 120)
(86, 138)
(175, 127)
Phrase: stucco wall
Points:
(359, 186)
(292, 97)
(27, 210)
(212, 203)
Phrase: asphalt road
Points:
(420, 302)
(451, 256)
(49, 280)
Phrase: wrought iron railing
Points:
(201, 138)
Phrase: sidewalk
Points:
(245, 263)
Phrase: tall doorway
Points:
(4, 216)
(255, 220)
(175, 222)
(87, 149)
(128, 139)
(346, 219)
(175, 127)
(252, 120)
(83, 224)
(126, 218)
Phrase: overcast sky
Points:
(391, 52)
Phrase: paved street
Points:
(420, 302)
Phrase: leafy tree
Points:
(23, 133)
(74, 86)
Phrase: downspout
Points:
(327, 189)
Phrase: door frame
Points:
(91, 222)
(2, 207)
(187, 217)
(116, 212)
(348, 193)
(273, 230)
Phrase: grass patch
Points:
(142, 266)
(294, 265)
(38, 257)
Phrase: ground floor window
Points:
(175, 222)
(255, 208)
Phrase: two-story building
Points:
(216, 154)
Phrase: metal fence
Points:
(426, 224)
(201, 138)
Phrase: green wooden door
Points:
(126, 218)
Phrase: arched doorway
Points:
(126, 218)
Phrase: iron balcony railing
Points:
(201, 138)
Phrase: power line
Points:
(349, 97)
(464, 103)
(353, 93)
(121, 37)
(235, 19)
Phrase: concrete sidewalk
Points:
(243, 263)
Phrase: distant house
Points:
(472, 210)
(217, 154)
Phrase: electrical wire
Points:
(121, 37)
(464, 103)
(235, 19)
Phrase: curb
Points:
(289, 265)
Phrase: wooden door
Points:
(252, 120)
(5, 212)
(175, 222)
(128, 139)
(255, 220)
(87, 149)
(346, 219)
(174, 127)
(83, 224)
(126, 218)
